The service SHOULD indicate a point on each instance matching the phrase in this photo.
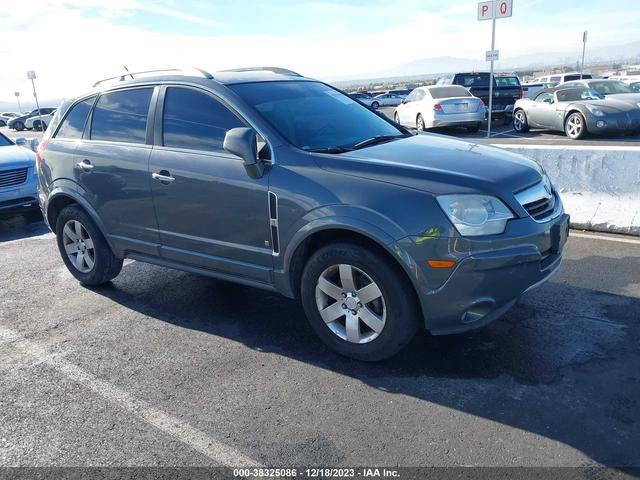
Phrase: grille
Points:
(9, 178)
(541, 208)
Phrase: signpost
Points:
(17, 94)
(491, 11)
(31, 75)
(584, 47)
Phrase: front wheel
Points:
(575, 127)
(520, 122)
(396, 118)
(18, 126)
(358, 302)
(84, 249)
(420, 123)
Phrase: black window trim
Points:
(157, 138)
(84, 98)
(86, 135)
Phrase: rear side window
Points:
(195, 120)
(73, 124)
(121, 116)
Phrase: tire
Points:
(104, 265)
(396, 308)
(520, 121)
(375, 105)
(575, 126)
(473, 128)
(3, 123)
(396, 118)
(18, 126)
(420, 123)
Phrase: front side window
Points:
(73, 124)
(195, 120)
(412, 97)
(545, 98)
(314, 116)
(121, 116)
(4, 141)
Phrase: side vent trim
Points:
(273, 221)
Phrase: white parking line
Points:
(594, 236)
(173, 426)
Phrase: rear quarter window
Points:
(73, 124)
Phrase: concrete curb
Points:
(599, 186)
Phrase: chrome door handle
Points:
(162, 178)
(85, 165)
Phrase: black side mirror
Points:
(242, 142)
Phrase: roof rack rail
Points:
(180, 71)
(281, 71)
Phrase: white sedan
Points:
(383, 100)
(441, 106)
(38, 119)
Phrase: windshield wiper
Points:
(376, 140)
(330, 150)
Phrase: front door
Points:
(211, 214)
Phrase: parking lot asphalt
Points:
(503, 133)
(166, 368)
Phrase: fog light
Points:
(600, 123)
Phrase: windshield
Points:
(607, 88)
(577, 94)
(313, 116)
(4, 141)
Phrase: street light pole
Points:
(17, 94)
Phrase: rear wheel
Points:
(520, 122)
(575, 127)
(420, 123)
(84, 249)
(473, 128)
(396, 118)
(358, 302)
(375, 105)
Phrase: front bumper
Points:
(19, 198)
(613, 123)
(489, 275)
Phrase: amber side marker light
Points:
(441, 263)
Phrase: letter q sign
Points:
(495, 9)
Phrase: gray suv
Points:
(270, 179)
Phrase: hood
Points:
(439, 165)
(14, 156)
(615, 103)
(624, 97)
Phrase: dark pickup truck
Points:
(506, 89)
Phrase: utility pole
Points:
(17, 94)
(584, 47)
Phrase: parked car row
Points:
(32, 119)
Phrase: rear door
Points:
(111, 168)
(211, 214)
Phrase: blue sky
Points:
(72, 42)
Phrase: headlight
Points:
(596, 111)
(474, 215)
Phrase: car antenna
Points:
(125, 67)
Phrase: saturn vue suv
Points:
(266, 178)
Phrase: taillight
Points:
(40, 152)
(437, 107)
(481, 104)
(521, 94)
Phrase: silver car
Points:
(384, 100)
(577, 112)
(441, 106)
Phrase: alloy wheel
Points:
(518, 121)
(351, 303)
(78, 246)
(574, 126)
